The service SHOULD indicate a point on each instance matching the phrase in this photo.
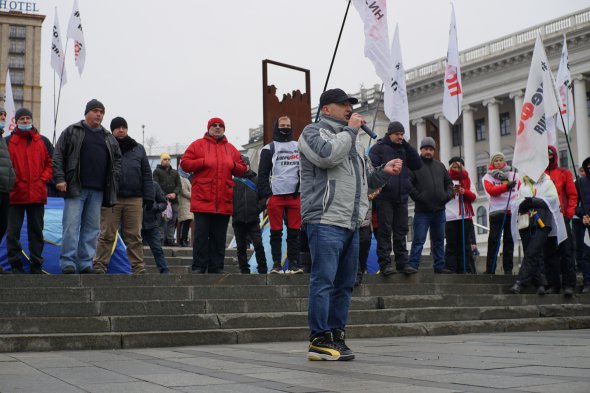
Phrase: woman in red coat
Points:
(212, 160)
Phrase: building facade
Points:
(20, 52)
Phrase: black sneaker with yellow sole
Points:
(324, 348)
(345, 352)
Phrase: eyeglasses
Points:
(217, 125)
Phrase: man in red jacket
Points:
(30, 153)
(568, 200)
(212, 160)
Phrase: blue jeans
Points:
(436, 223)
(334, 262)
(81, 226)
(152, 238)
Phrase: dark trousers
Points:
(458, 238)
(152, 238)
(251, 230)
(535, 244)
(4, 208)
(392, 220)
(579, 229)
(209, 242)
(364, 246)
(185, 227)
(563, 264)
(496, 220)
(16, 216)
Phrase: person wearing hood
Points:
(212, 161)
(30, 153)
(583, 211)
(169, 180)
(246, 219)
(540, 225)
(279, 188)
(499, 184)
(135, 190)
(561, 272)
(459, 220)
(7, 179)
(392, 203)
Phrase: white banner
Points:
(57, 53)
(564, 88)
(75, 32)
(530, 150)
(453, 89)
(9, 105)
(395, 102)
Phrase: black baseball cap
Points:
(336, 96)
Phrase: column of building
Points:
(469, 142)
(445, 139)
(581, 118)
(494, 124)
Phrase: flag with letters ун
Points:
(530, 149)
(374, 16)
(9, 105)
(75, 32)
(564, 89)
(395, 101)
(453, 89)
(57, 53)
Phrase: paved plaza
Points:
(547, 361)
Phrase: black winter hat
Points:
(457, 159)
(118, 122)
(22, 112)
(395, 126)
(93, 104)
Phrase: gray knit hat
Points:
(428, 142)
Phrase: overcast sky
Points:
(173, 64)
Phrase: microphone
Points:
(368, 131)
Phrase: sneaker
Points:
(88, 270)
(345, 352)
(324, 348)
(541, 290)
(36, 268)
(516, 288)
(407, 269)
(68, 270)
(388, 270)
(568, 292)
(295, 271)
(552, 291)
(276, 270)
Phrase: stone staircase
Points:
(65, 312)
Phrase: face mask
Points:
(25, 127)
(2, 124)
(285, 131)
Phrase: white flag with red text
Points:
(453, 89)
(9, 105)
(75, 32)
(57, 53)
(395, 102)
(564, 89)
(374, 16)
(530, 149)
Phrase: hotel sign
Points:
(22, 6)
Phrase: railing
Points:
(551, 28)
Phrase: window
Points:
(457, 132)
(16, 62)
(18, 94)
(504, 123)
(17, 77)
(482, 219)
(410, 236)
(17, 32)
(563, 159)
(481, 171)
(480, 130)
(17, 47)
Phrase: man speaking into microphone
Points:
(335, 173)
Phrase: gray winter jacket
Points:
(335, 175)
(7, 175)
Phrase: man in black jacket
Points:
(432, 188)
(86, 170)
(392, 202)
(246, 221)
(169, 180)
(135, 190)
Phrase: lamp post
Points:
(143, 134)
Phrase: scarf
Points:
(500, 174)
(463, 179)
(126, 144)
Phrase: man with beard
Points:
(135, 190)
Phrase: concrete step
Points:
(126, 340)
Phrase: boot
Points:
(293, 250)
(36, 268)
(276, 240)
(517, 288)
(17, 268)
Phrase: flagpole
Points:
(59, 93)
(377, 103)
(317, 116)
(500, 237)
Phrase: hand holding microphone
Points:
(358, 121)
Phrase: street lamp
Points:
(143, 134)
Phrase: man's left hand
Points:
(393, 167)
(171, 196)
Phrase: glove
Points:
(511, 185)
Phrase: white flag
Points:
(374, 16)
(453, 91)
(551, 132)
(564, 88)
(530, 150)
(75, 32)
(9, 104)
(395, 101)
(57, 53)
